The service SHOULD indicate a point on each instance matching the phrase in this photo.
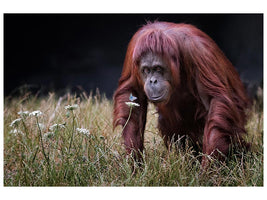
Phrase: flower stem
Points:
(25, 128)
(131, 107)
(71, 139)
(42, 144)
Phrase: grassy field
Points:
(75, 146)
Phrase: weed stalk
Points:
(42, 144)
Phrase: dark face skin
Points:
(156, 77)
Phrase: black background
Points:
(77, 52)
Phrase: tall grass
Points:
(78, 147)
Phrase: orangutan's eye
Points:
(159, 69)
(146, 70)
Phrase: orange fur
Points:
(208, 100)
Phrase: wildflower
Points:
(23, 114)
(56, 126)
(36, 113)
(132, 104)
(73, 107)
(83, 131)
(132, 98)
(15, 131)
(15, 122)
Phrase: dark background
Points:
(77, 52)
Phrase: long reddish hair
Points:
(201, 76)
(185, 46)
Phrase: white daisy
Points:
(132, 104)
(73, 107)
(83, 131)
(56, 126)
(15, 122)
(16, 131)
(36, 113)
(24, 114)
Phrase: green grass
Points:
(37, 156)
